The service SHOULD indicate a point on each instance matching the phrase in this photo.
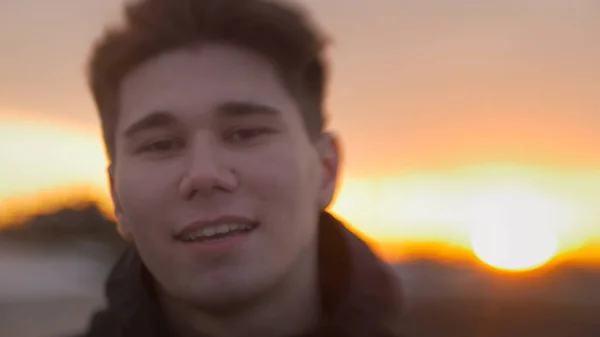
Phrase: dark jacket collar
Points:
(361, 296)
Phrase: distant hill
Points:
(564, 283)
(469, 300)
(83, 223)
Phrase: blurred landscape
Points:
(53, 267)
(454, 115)
(52, 271)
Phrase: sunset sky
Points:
(445, 107)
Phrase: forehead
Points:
(191, 82)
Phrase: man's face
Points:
(215, 178)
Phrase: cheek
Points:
(284, 180)
(143, 193)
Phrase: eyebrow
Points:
(229, 109)
(154, 120)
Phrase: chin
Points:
(225, 297)
(222, 290)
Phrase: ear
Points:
(122, 224)
(329, 156)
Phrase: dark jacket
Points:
(360, 295)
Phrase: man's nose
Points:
(207, 172)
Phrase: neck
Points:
(293, 307)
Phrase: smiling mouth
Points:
(218, 232)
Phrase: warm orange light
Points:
(51, 165)
(47, 165)
(472, 208)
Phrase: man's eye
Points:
(164, 145)
(241, 135)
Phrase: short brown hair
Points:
(280, 32)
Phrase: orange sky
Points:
(436, 103)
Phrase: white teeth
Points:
(222, 229)
(209, 231)
(217, 229)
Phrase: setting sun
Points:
(514, 248)
(514, 228)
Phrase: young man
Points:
(221, 171)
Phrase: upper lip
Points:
(194, 226)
